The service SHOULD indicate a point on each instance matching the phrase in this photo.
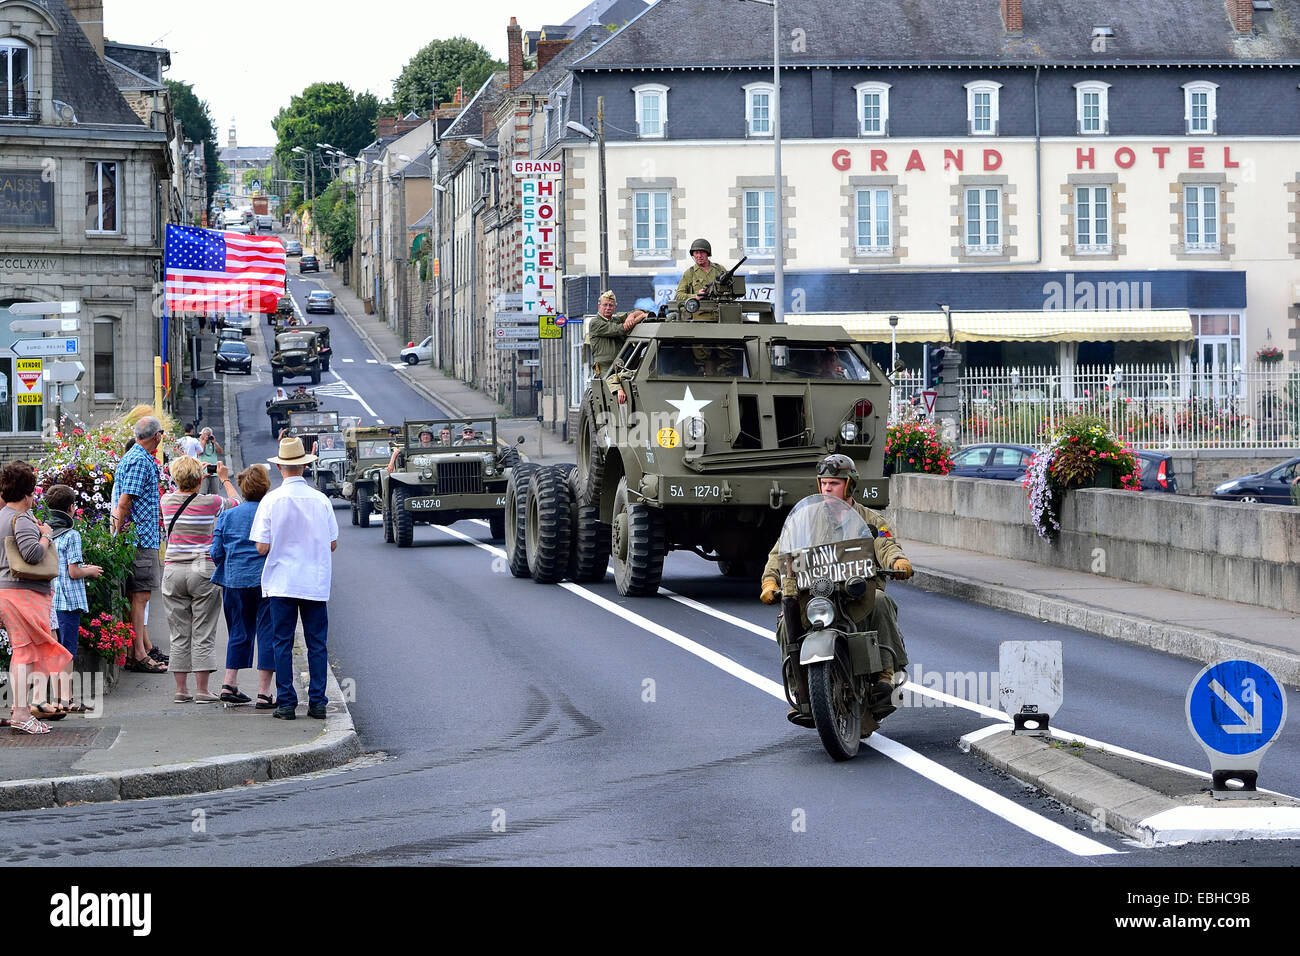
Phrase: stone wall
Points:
(1235, 552)
(1199, 472)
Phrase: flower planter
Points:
(88, 662)
(1104, 478)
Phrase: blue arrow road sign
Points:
(1235, 708)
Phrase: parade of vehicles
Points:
(701, 438)
(283, 310)
(296, 355)
(292, 323)
(448, 470)
(366, 452)
(279, 407)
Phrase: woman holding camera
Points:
(192, 601)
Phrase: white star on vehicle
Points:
(689, 406)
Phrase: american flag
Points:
(208, 271)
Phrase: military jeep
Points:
(283, 309)
(722, 421)
(448, 470)
(292, 323)
(279, 409)
(296, 355)
(366, 453)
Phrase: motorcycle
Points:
(829, 574)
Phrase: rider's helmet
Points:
(839, 466)
(702, 245)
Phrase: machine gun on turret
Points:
(727, 286)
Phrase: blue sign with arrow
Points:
(1236, 708)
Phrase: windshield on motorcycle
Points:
(821, 519)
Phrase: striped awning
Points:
(1130, 325)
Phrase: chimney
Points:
(546, 50)
(515, 38)
(1013, 18)
(1241, 13)
(89, 14)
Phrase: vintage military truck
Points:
(703, 436)
(448, 470)
(322, 332)
(283, 309)
(366, 453)
(296, 355)
(280, 407)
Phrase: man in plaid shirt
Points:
(137, 503)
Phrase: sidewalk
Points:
(459, 399)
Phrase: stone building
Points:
(84, 195)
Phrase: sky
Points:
(248, 57)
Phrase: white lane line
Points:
(353, 394)
(397, 365)
(372, 361)
(995, 803)
(379, 421)
(740, 622)
(348, 360)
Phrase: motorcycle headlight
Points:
(696, 429)
(820, 612)
(848, 431)
(855, 587)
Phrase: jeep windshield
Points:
(701, 360)
(454, 433)
(832, 362)
(294, 340)
(374, 448)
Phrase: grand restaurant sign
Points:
(539, 202)
(26, 199)
(1085, 157)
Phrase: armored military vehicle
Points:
(702, 437)
(296, 355)
(279, 407)
(449, 470)
(366, 453)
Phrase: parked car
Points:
(228, 334)
(1006, 462)
(292, 247)
(415, 354)
(234, 357)
(265, 222)
(1272, 486)
(244, 323)
(320, 300)
(245, 228)
(1157, 472)
(309, 264)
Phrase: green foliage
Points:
(441, 66)
(197, 125)
(113, 553)
(324, 113)
(263, 175)
(335, 213)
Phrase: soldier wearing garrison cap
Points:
(606, 331)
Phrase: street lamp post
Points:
(893, 366)
(778, 266)
(599, 137)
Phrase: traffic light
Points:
(934, 366)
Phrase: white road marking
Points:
(348, 360)
(398, 365)
(341, 389)
(372, 361)
(995, 803)
(379, 421)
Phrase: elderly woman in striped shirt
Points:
(192, 601)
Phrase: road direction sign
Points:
(531, 363)
(515, 318)
(929, 395)
(1235, 710)
(517, 345)
(45, 308)
(27, 348)
(516, 332)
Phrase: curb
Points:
(1131, 808)
(1190, 643)
(336, 745)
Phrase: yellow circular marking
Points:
(669, 438)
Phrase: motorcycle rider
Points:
(837, 475)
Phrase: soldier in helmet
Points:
(837, 475)
(697, 278)
(606, 331)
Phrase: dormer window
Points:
(17, 99)
(1092, 112)
(982, 107)
(1199, 109)
(651, 110)
(758, 109)
(873, 109)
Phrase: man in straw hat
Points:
(296, 529)
(606, 331)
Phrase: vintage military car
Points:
(283, 309)
(322, 332)
(723, 417)
(448, 470)
(331, 457)
(279, 407)
(366, 453)
(296, 355)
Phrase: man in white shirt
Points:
(296, 529)
(189, 444)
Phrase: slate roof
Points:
(127, 78)
(245, 154)
(419, 168)
(146, 60)
(668, 35)
(469, 122)
(606, 12)
(551, 75)
(80, 77)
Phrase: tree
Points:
(197, 125)
(262, 176)
(335, 213)
(442, 65)
(324, 113)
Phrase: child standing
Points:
(70, 586)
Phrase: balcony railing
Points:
(19, 106)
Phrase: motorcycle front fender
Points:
(818, 646)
